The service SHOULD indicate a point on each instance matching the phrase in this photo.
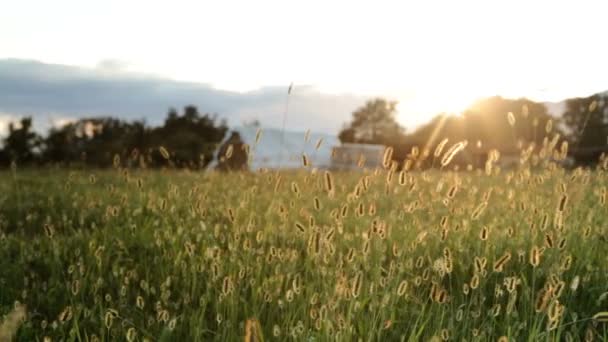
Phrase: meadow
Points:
(310, 255)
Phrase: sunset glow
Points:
(432, 56)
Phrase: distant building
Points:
(352, 156)
(274, 149)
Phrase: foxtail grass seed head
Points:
(535, 254)
(479, 210)
(305, 161)
(564, 150)
(452, 191)
(387, 157)
(562, 203)
(301, 228)
(329, 182)
(139, 302)
(483, 234)
(163, 152)
(402, 288)
(253, 331)
(356, 285)
(474, 282)
(229, 151)
(131, 334)
(593, 106)
(449, 155)
(258, 135)
(549, 240)
(542, 299)
(317, 203)
(295, 188)
(601, 317)
(441, 296)
(226, 286)
(511, 119)
(49, 230)
(440, 147)
(402, 178)
(319, 144)
(500, 263)
(116, 161)
(415, 152)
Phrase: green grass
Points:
(205, 252)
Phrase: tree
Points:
(374, 123)
(94, 141)
(487, 121)
(191, 138)
(60, 145)
(586, 121)
(22, 142)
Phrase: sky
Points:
(431, 56)
(53, 94)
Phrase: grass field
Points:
(112, 255)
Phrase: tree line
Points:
(187, 140)
(191, 139)
(494, 123)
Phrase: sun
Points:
(420, 108)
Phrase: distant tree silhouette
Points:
(586, 120)
(191, 138)
(94, 141)
(4, 158)
(22, 142)
(374, 123)
(60, 145)
(485, 126)
(232, 155)
(488, 121)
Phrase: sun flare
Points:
(422, 107)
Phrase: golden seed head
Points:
(163, 152)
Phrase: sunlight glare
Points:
(421, 107)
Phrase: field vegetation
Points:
(311, 255)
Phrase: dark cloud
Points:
(47, 91)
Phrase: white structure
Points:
(353, 156)
(274, 150)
